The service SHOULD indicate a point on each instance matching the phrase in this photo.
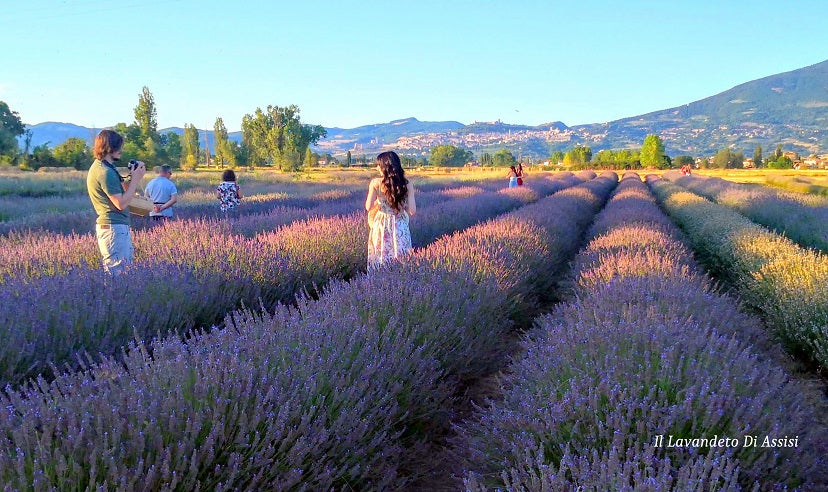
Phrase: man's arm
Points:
(170, 202)
(121, 200)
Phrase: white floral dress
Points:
(228, 195)
(390, 236)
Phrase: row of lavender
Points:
(33, 254)
(802, 218)
(616, 383)
(339, 392)
(190, 274)
(787, 283)
(295, 196)
(83, 220)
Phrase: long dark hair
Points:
(394, 184)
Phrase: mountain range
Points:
(789, 108)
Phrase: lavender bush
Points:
(640, 353)
(463, 212)
(16, 207)
(34, 254)
(335, 393)
(87, 311)
(264, 270)
(83, 220)
(788, 284)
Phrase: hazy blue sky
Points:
(349, 63)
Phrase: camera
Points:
(132, 165)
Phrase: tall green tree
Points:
(259, 138)
(503, 158)
(145, 116)
(73, 153)
(225, 153)
(131, 133)
(605, 156)
(722, 158)
(652, 152)
(449, 156)
(190, 147)
(299, 136)
(289, 160)
(42, 156)
(171, 143)
(556, 157)
(783, 162)
(150, 152)
(310, 159)
(10, 128)
(277, 136)
(348, 159)
(727, 159)
(486, 159)
(242, 153)
(681, 160)
(757, 156)
(580, 155)
(408, 162)
(27, 148)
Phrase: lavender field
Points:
(254, 352)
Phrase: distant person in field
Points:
(163, 194)
(685, 170)
(110, 198)
(392, 197)
(228, 192)
(513, 177)
(519, 173)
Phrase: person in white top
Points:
(163, 194)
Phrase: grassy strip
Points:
(799, 217)
(799, 184)
(788, 284)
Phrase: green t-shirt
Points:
(102, 181)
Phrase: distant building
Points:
(811, 162)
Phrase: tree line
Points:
(272, 137)
(276, 137)
(651, 155)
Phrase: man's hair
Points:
(107, 142)
(166, 168)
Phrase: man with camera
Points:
(163, 194)
(110, 197)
